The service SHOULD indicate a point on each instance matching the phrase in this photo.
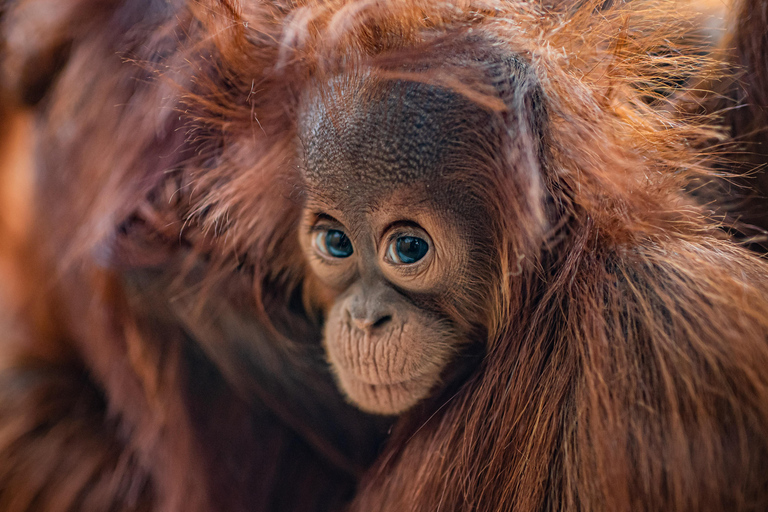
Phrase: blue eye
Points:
(406, 250)
(333, 243)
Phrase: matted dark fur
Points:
(160, 350)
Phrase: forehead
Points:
(364, 137)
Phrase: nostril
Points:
(381, 321)
(367, 323)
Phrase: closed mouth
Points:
(375, 380)
(402, 386)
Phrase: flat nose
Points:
(369, 314)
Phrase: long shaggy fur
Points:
(162, 356)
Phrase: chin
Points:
(387, 399)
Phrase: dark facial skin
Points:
(391, 233)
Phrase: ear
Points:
(521, 92)
(524, 148)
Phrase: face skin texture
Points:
(391, 235)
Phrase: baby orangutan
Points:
(395, 235)
(255, 223)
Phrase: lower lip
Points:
(386, 398)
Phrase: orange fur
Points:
(177, 369)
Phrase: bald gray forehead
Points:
(387, 134)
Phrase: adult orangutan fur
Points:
(161, 340)
(742, 99)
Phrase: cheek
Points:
(317, 295)
(387, 371)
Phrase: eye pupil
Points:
(338, 243)
(411, 249)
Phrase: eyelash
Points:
(317, 228)
(402, 228)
